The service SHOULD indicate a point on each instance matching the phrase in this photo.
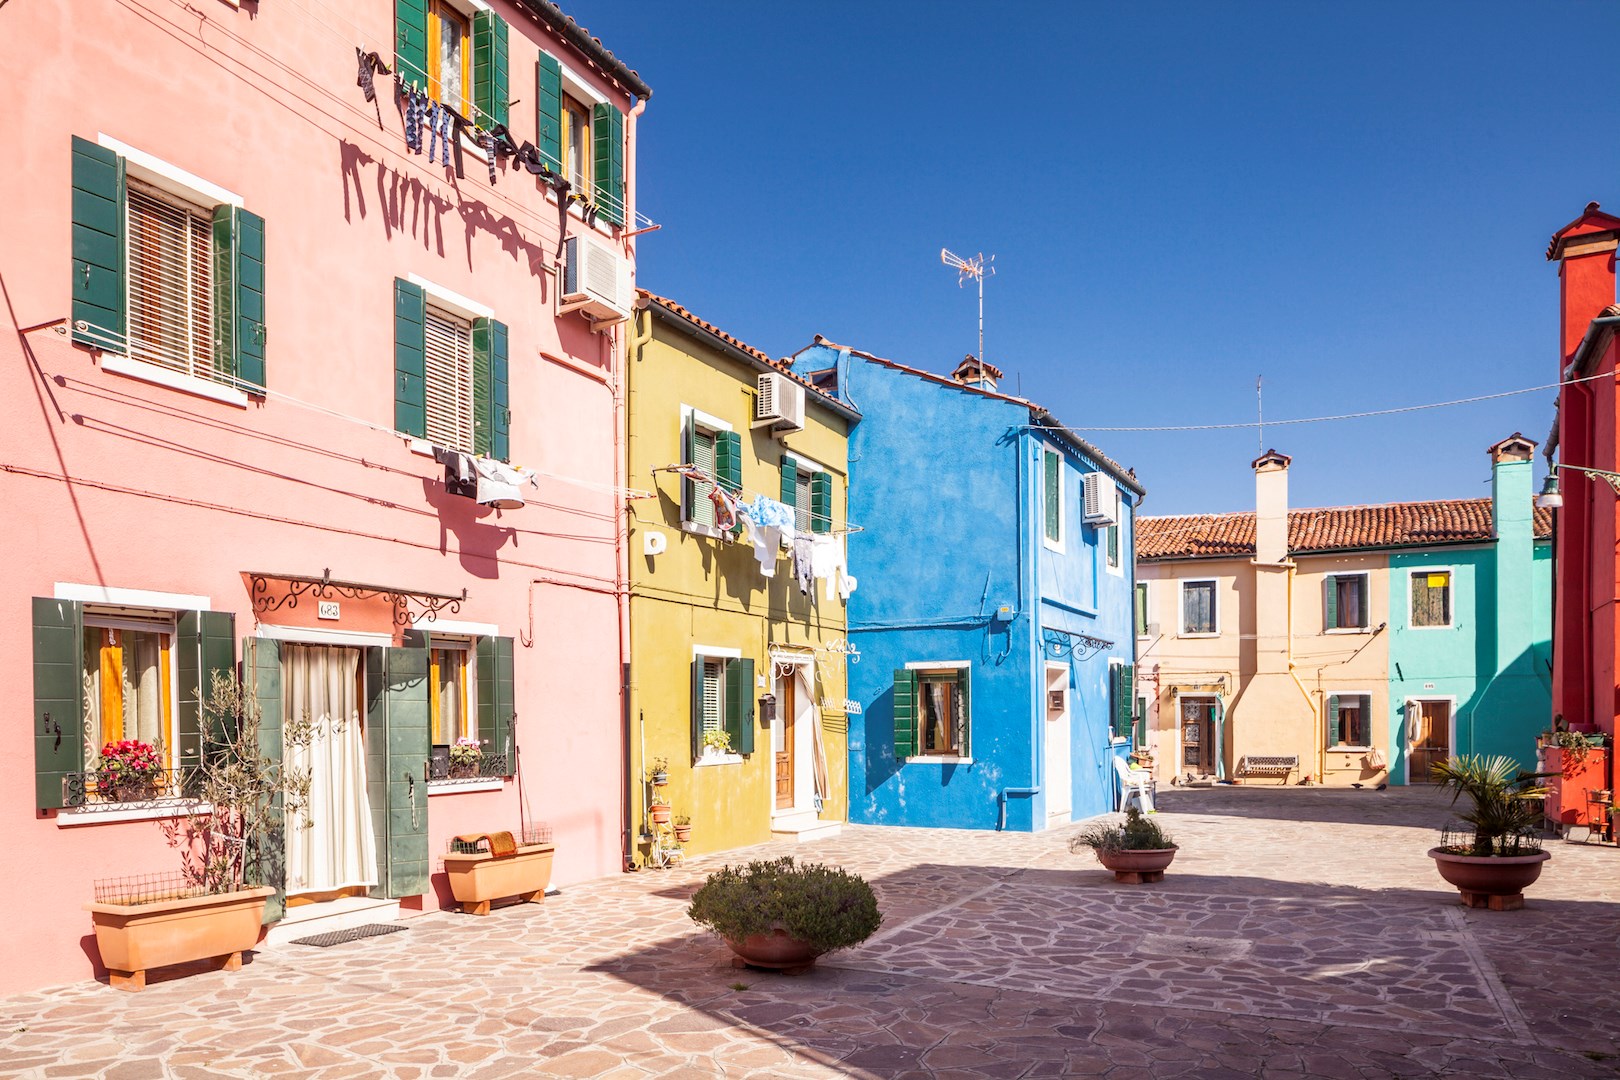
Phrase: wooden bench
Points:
(1282, 765)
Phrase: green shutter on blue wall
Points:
(905, 713)
(492, 415)
(820, 502)
(410, 41)
(607, 132)
(239, 328)
(739, 718)
(728, 460)
(490, 83)
(58, 699)
(964, 696)
(98, 246)
(548, 80)
(410, 359)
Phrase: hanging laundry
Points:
(803, 571)
(846, 585)
(500, 485)
(766, 511)
(725, 508)
(487, 142)
(415, 112)
(767, 541)
(825, 557)
(370, 65)
(460, 473)
(435, 119)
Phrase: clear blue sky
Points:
(1351, 200)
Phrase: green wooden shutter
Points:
(1051, 486)
(239, 329)
(58, 701)
(790, 483)
(1332, 719)
(1366, 719)
(1113, 545)
(905, 714)
(1330, 602)
(410, 41)
(1126, 674)
(964, 742)
(205, 646)
(410, 359)
(397, 750)
(99, 299)
(496, 699)
(266, 863)
(548, 78)
(697, 707)
(607, 132)
(490, 85)
(728, 460)
(739, 717)
(820, 502)
(688, 457)
(492, 418)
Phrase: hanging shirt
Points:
(500, 485)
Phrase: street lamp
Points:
(1551, 498)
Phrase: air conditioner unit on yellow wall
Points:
(779, 404)
(595, 281)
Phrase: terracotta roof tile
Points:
(1332, 528)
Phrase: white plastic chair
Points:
(1134, 784)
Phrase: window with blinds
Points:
(714, 683)
(170, 282)
(801, 500)
(701, 510)
(449, 380)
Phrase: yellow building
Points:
(737, 680)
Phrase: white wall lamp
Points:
(1551, 498)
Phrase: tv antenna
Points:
(978, 268)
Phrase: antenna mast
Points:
(978, 268)
(1260, 412)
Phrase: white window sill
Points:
(174, 380)
(458, 787)
(1118, 740)
(576, 210)
(711, 758)
(1215, 634)
(1349, 630)
(1349, 749)
(938, 759)
(1448, 626)
(67, 819)
(1055, 546)
(702, 530)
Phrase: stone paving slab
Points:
(1301, 932)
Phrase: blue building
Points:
(993, 614)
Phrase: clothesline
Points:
(747, 494)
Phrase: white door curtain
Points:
(330, 846)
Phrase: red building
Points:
(1584, 457)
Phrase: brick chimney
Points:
(1513, 522)
(973, 371)
(1584, 250)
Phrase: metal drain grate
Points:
(354, 933)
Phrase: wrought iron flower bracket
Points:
(1061, 645)
(406, 602)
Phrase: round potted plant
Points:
(465, 756)
(1498, 853)
(127, 771)
(683, 828)
(658, 772)
(659, 811)
(1137, 850)
(779, 915)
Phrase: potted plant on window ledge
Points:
(127, 771)
(717, 741)
(214, 907)
(1498, 854)
(465, 757)
(1137, 850)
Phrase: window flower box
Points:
(135, 937)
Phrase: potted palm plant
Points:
(1137, 850)
(1497, 853)
(781, 916)
(229, 843)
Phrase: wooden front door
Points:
(1198, 747)
(782, 742)
(1428, 733)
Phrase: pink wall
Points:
(177, 493)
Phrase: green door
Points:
(397, 748)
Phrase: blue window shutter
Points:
(99, 299)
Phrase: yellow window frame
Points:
(109, 660)
(435, 710)
(440, 12)
(571, 106)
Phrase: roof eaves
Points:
(1107, 464)
(592, 47)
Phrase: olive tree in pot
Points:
(1498, 852)
(778, 915)
(232, 846)
(1137, 850)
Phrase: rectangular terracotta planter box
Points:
(134, 937)
(475, 880)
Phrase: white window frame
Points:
(806, 468)
(1215, 608)
(710, 755)
(966, 756)
(1366, 604)
(1059, 544)
(1451, 588)
(1349, 748)
(692, 416)
(1147, 610)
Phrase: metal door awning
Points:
(410, 605)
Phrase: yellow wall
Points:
(1268, 709)
(710, 592)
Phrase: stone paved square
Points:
(1300, 932)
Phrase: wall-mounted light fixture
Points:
(1552, 498)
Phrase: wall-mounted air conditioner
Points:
(595, 281)
(1101, 499)
(779, 404)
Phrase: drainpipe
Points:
(1012, 792)
(634, 342)
(1316, 717)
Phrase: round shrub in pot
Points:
(777, 914)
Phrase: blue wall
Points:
(945, 483)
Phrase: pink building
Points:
(242, 311)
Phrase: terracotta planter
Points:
(1137, 867)
(775, 951)
(475, 880)
(134, 937)
(659, 779)
(661, 814)
(683, 833)
(1496, 882)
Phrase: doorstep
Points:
(803, 826)
(341, 914)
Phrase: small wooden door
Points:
(782, 742)
(1198, 747)
(1428, 734)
